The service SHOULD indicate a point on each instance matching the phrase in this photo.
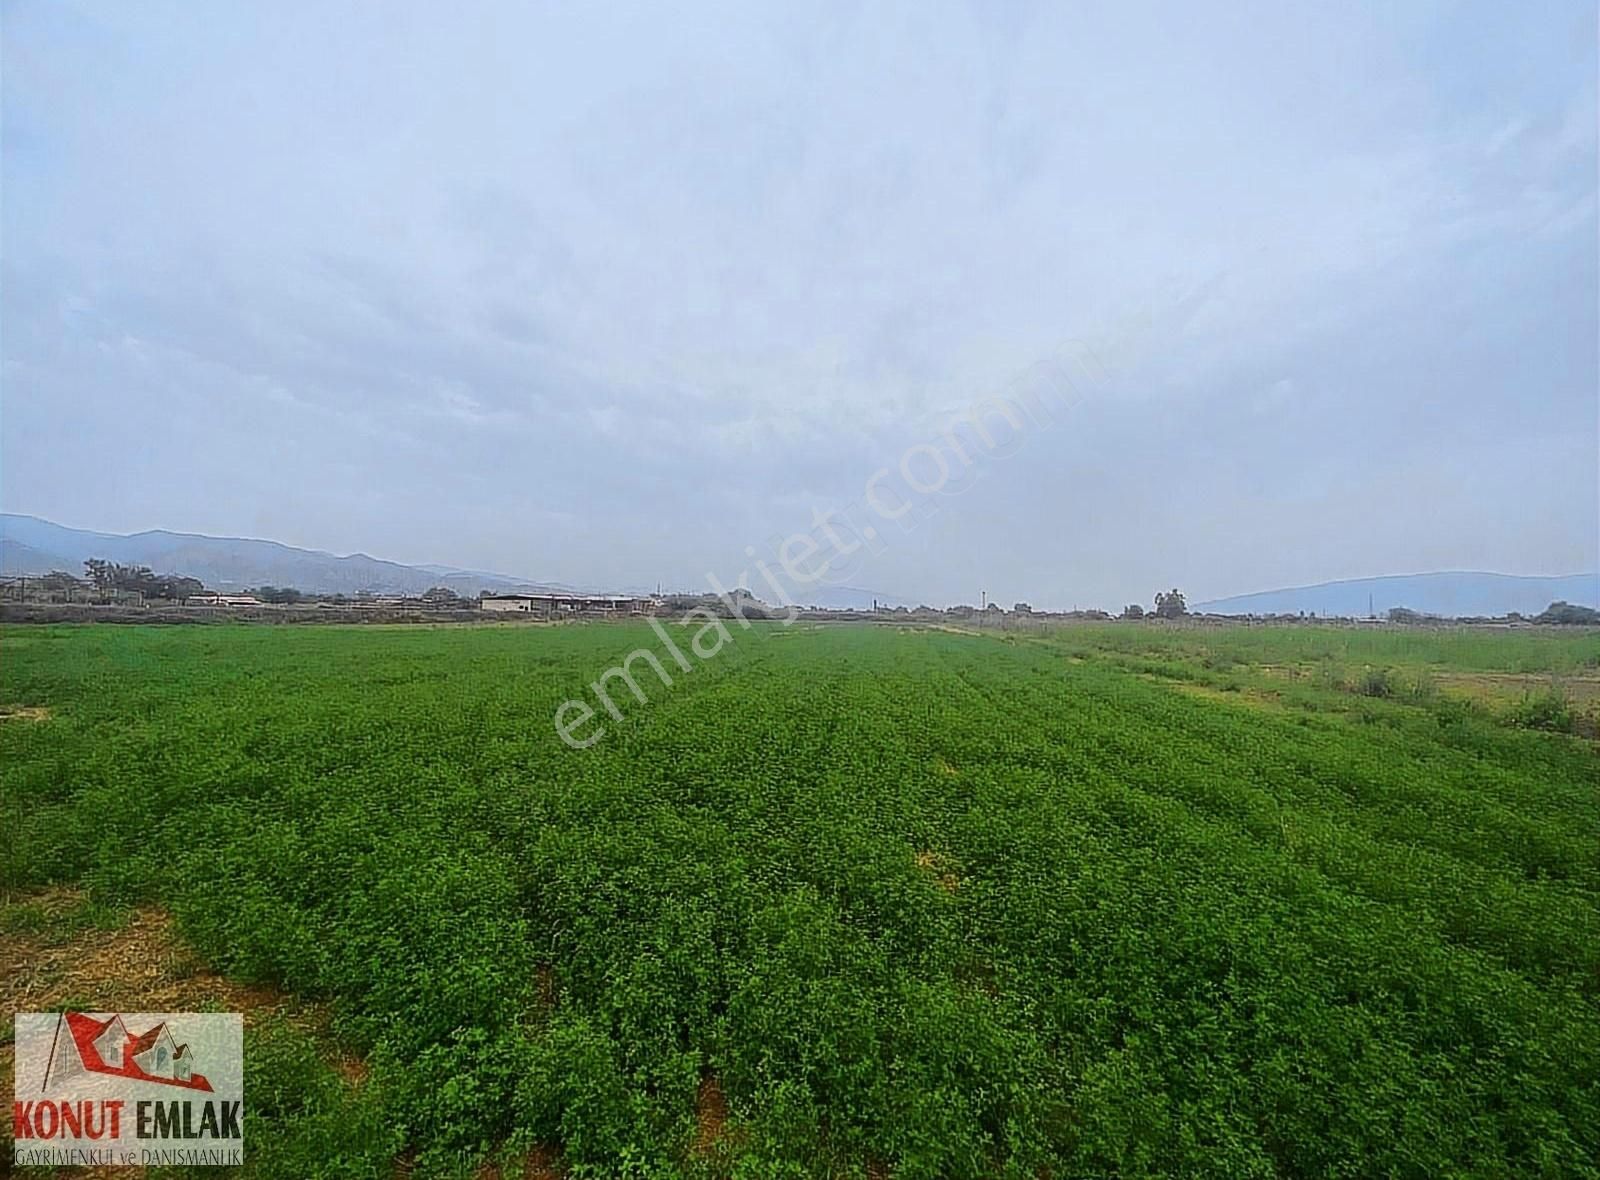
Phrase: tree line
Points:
(110, 575)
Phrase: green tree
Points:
(1171, 605)
(101, 572)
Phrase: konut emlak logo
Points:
(128, 1088)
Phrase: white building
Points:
(557, 605)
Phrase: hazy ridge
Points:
(31, 545)
(1452, 593)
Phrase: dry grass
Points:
(24, 713)
(542, 1164)
(140, 965)
(1511, 686)
(939, 869)
(1500, 691)
(539, 1164)
(710, 1115)
(1248, 697)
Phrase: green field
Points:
(1108, 900)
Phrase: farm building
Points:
(210, 599)
(555, 605)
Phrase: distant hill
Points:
(29, 545)
(1453, 594)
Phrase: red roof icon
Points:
(151, 1056)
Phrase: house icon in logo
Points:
(107, 1047)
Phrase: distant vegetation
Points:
(1557, 613)
(1566, 614)
(1170, 604)
(108, 575)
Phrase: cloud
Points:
(630, 286)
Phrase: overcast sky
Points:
(605, 295)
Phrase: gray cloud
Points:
(607, 296)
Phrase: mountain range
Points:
(31, 545)
(1457, 594)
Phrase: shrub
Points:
(1375, 682)
(304, 1121)
(573, 1092)
(1548, 710)
(1421, 689)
